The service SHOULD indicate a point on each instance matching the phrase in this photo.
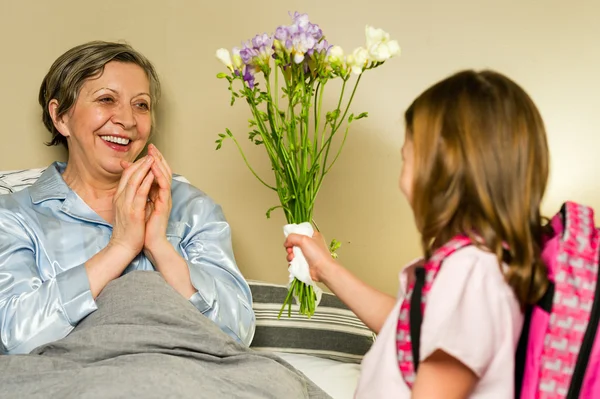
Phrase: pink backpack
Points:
(558, 355)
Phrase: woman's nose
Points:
(124, 116)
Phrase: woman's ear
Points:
(58, 121)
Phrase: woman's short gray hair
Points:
(70, 71)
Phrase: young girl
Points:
(476, 164)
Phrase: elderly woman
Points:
(106, 212)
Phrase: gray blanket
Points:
(146, 341)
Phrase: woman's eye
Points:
(106, 100)
(143, 106)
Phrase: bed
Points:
(327, 348)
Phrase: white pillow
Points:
(338, 379)
(12, 181)
(15, 180)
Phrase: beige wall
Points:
(551, 47)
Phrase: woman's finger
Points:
(163, 193)
(161, 158)
(162, 162)
(161, 178)
(134, 182)
(141, 196)
(127, 173)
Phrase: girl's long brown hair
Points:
(480, 168)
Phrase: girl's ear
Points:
(60, 122)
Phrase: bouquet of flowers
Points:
(296, 64)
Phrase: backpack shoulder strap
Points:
(571, 256)
(424, 277)
(578, 229)
(416, 316)
(579, 258)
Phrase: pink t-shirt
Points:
(471, 314)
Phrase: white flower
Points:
(224, 57)
(394, 48)
(358, 60)
(384, 51)
(298, 57)
(379, 45)
(236, 58)
(336, 55)
(375, 36)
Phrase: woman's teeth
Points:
(114, 139)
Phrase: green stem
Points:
(267, 138)
(306, 148)
(339, 150)
(338, 106)
(317, 110)
(291, 120)
(314, 159)
(327, 145)
(280, 148)
(276, 98)
(248, 164)
(349, 101)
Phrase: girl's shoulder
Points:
(474, 274)
(465, 265)
(470, 305)
(475, 264)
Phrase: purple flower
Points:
(314, 31)
(302, 23)
(289, 43)
(261, 40)
(281, 33)
(247, 53)
(302, 43)
(294, 30)
(257, 51)
(265, 49)
(249, 76)
(306, 68)
(322, 47)
(299, 38)
(300, 19)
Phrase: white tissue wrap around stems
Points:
(299, 266)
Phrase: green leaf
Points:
(222, 75)
(362, 115)
(334, 246)
(315, 169)
(253, 134)
(332, 115)
(271, 209)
